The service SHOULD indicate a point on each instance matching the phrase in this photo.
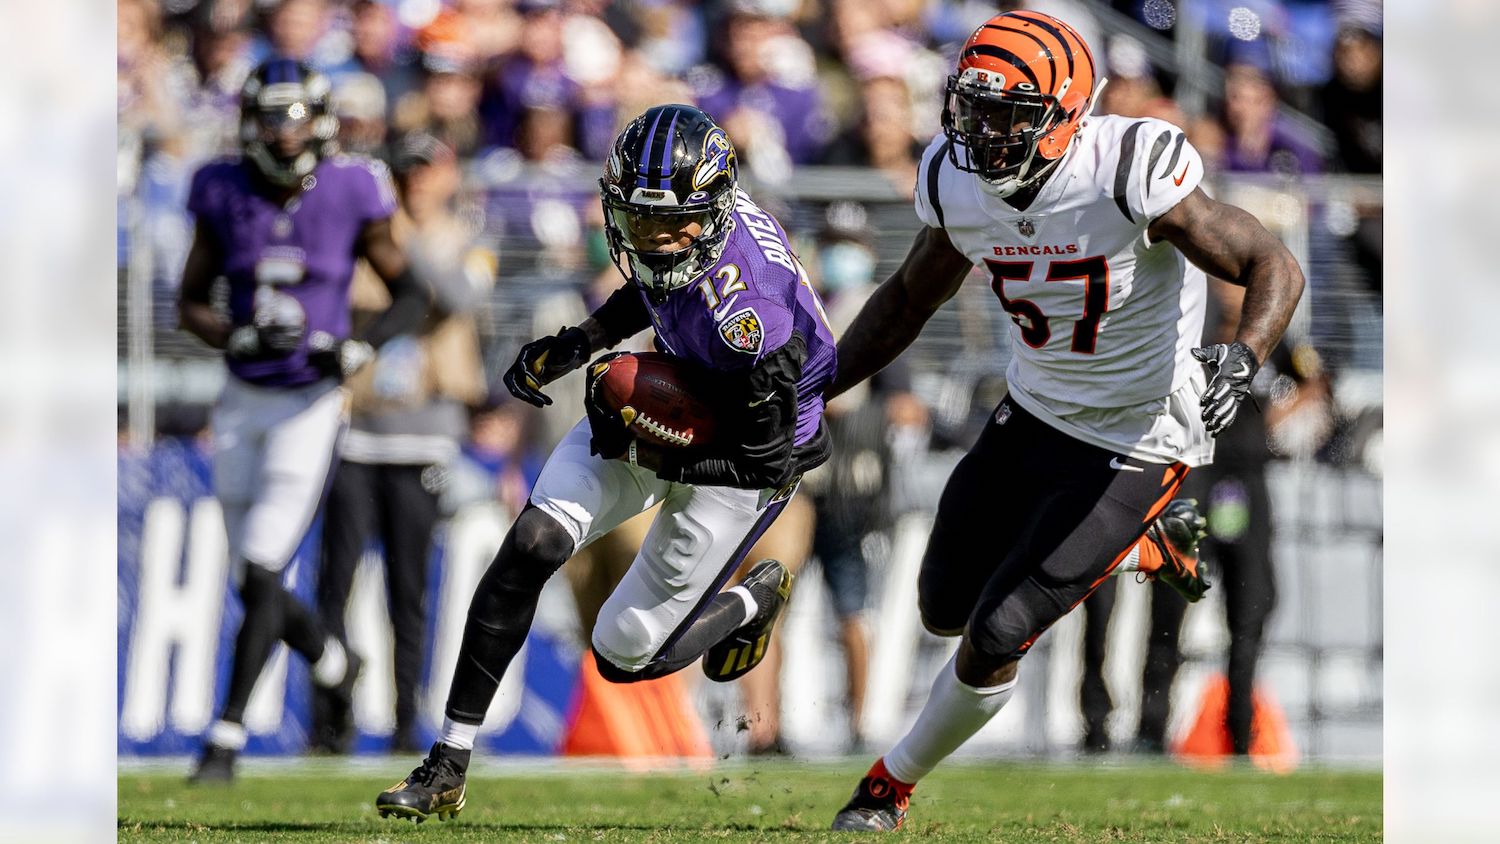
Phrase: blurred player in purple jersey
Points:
(716, 279)
(284, 224)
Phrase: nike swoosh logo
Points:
(768, 397)
(1116, 463)
(728, 303)
(1177, 180)
(1244, 371)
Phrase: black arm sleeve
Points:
(622, 315)
(759, 407)
(410, 300)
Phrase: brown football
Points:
(658, 397)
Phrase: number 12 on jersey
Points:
(1036, 328)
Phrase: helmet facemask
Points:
(285, 128)
(633, 228)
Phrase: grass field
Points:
(773, 801)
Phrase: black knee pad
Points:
(537, 536)
(1004, 629)
(614, 673)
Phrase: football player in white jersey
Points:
(1096, 238)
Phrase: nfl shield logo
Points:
(1026, 226)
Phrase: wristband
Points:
(631, 453)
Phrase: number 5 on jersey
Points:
(1036, 328)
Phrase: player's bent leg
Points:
(667, 610)
(502, 610)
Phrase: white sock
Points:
(1132, 561)
(751, 606)
(953, 713)
(329, 670)
(458, 735)
(227, 735)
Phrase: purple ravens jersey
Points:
(304, 249)
(747, 306)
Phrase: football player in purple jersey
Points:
(716, 279)
(283, 223)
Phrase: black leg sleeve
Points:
(1093, 692)
(1163, 658)
(1249, 597)
(349, 519)
(410, 514)
(259, 629)
(503, 607)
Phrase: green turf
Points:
(780, 801)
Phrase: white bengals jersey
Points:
(1103, 321)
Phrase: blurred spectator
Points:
(1352, 100)
(540, 74)
(148, 116)
(445, 104)
(851, 493)
(207, 80)
(1133, 90)
(408, 416)
(671, 37)
(379, 52)
(882, 138)
(497, 462)
(358, 101)
(299, 29)
(1258, 141)
(764, 93)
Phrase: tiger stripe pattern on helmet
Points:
(1025, 81)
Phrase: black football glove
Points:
(1234, 367)
(545, 360)
(611, 433)
(276, 329)
(340, 358)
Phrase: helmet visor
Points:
(660, 231)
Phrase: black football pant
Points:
(391, 503)
(1032, 521)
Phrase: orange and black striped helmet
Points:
(1025, 82)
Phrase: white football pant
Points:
(695, 543)
(273, 448)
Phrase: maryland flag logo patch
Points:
(742, 331)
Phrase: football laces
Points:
(662, 432)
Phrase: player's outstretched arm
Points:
(895, 313)
(195, 312)
(1228, 243)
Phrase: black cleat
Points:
(436, 787)
(216, 765)
(1175, 533)
(771, 585)
(878, 805)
